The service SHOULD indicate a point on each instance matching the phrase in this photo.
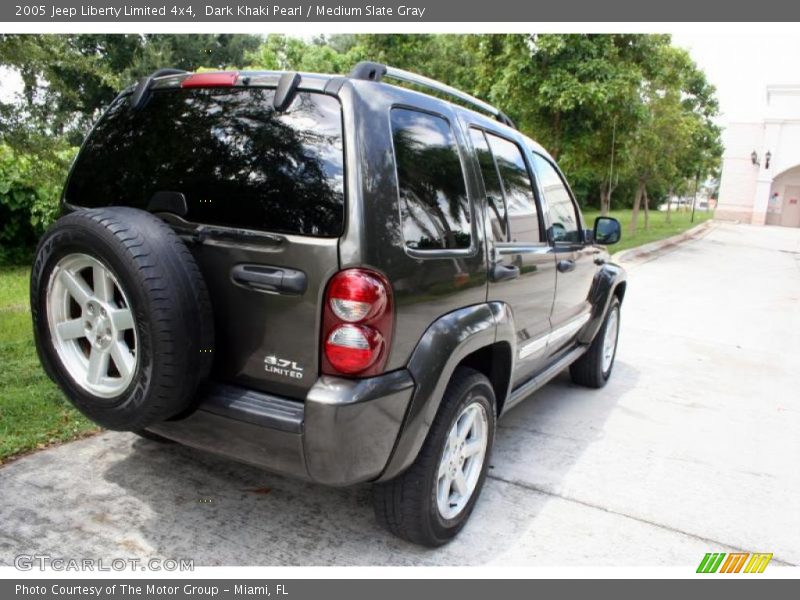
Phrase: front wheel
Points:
(431, 501)
(594, 368)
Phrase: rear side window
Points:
(523, 218)
(237, 161)
(434, 207)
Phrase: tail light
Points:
(356, 323)
(224, 79)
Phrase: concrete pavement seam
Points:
(533, 488)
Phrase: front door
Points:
(790, 215)
(521, 267)
(574, 258)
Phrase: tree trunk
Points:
(555, 151)
(646, 209)
(605, 197)
(669, 207)
(637, 202)
(605, 200)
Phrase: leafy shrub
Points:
(30, 187)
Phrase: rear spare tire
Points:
(121, 316)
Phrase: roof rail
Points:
(140, 92)
(372, 71)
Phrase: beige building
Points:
(760, 181)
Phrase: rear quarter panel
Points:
(425, 288)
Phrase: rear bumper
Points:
(344, 433)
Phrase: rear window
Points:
(237, 161)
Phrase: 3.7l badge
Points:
(283, 367)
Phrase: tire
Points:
(593, 369)
(408, 505)
(90, 268)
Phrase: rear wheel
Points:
(594, 368)
(431, 501)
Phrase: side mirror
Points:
(607, 231)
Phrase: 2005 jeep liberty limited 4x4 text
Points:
(330, 277)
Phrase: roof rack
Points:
(372, 71)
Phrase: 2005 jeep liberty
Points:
(329, 277)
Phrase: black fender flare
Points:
(605, 284)
(442, 347)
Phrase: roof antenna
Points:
(369, 71)
(284, 94)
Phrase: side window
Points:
(434, 206)
(563, 215)
(523, 218)
(491, 181)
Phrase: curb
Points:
(647, 250)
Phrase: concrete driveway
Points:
(693, 447)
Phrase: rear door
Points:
(574, 258)
(260, 195)
(521, 266)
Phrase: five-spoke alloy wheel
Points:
(430, 502)
(594, 368)
(92, 325)
(462, 460)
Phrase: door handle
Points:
(501, 272)
(599, 260)
(565, 266)
(270, 279)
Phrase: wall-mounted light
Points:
(767, 156)
(754, 158)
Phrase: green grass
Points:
(659, 228)
(33, 411)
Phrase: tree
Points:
(578, 93)
(69, 79)
(627, 116)
(676, 138)
(334, 54)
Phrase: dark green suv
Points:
(330, 277)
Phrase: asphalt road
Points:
(692, 447)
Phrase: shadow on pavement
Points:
(196, 505)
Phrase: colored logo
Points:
(736, 562)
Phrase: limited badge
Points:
(283, 367)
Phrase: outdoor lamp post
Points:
(767, 158)
(754, 157)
